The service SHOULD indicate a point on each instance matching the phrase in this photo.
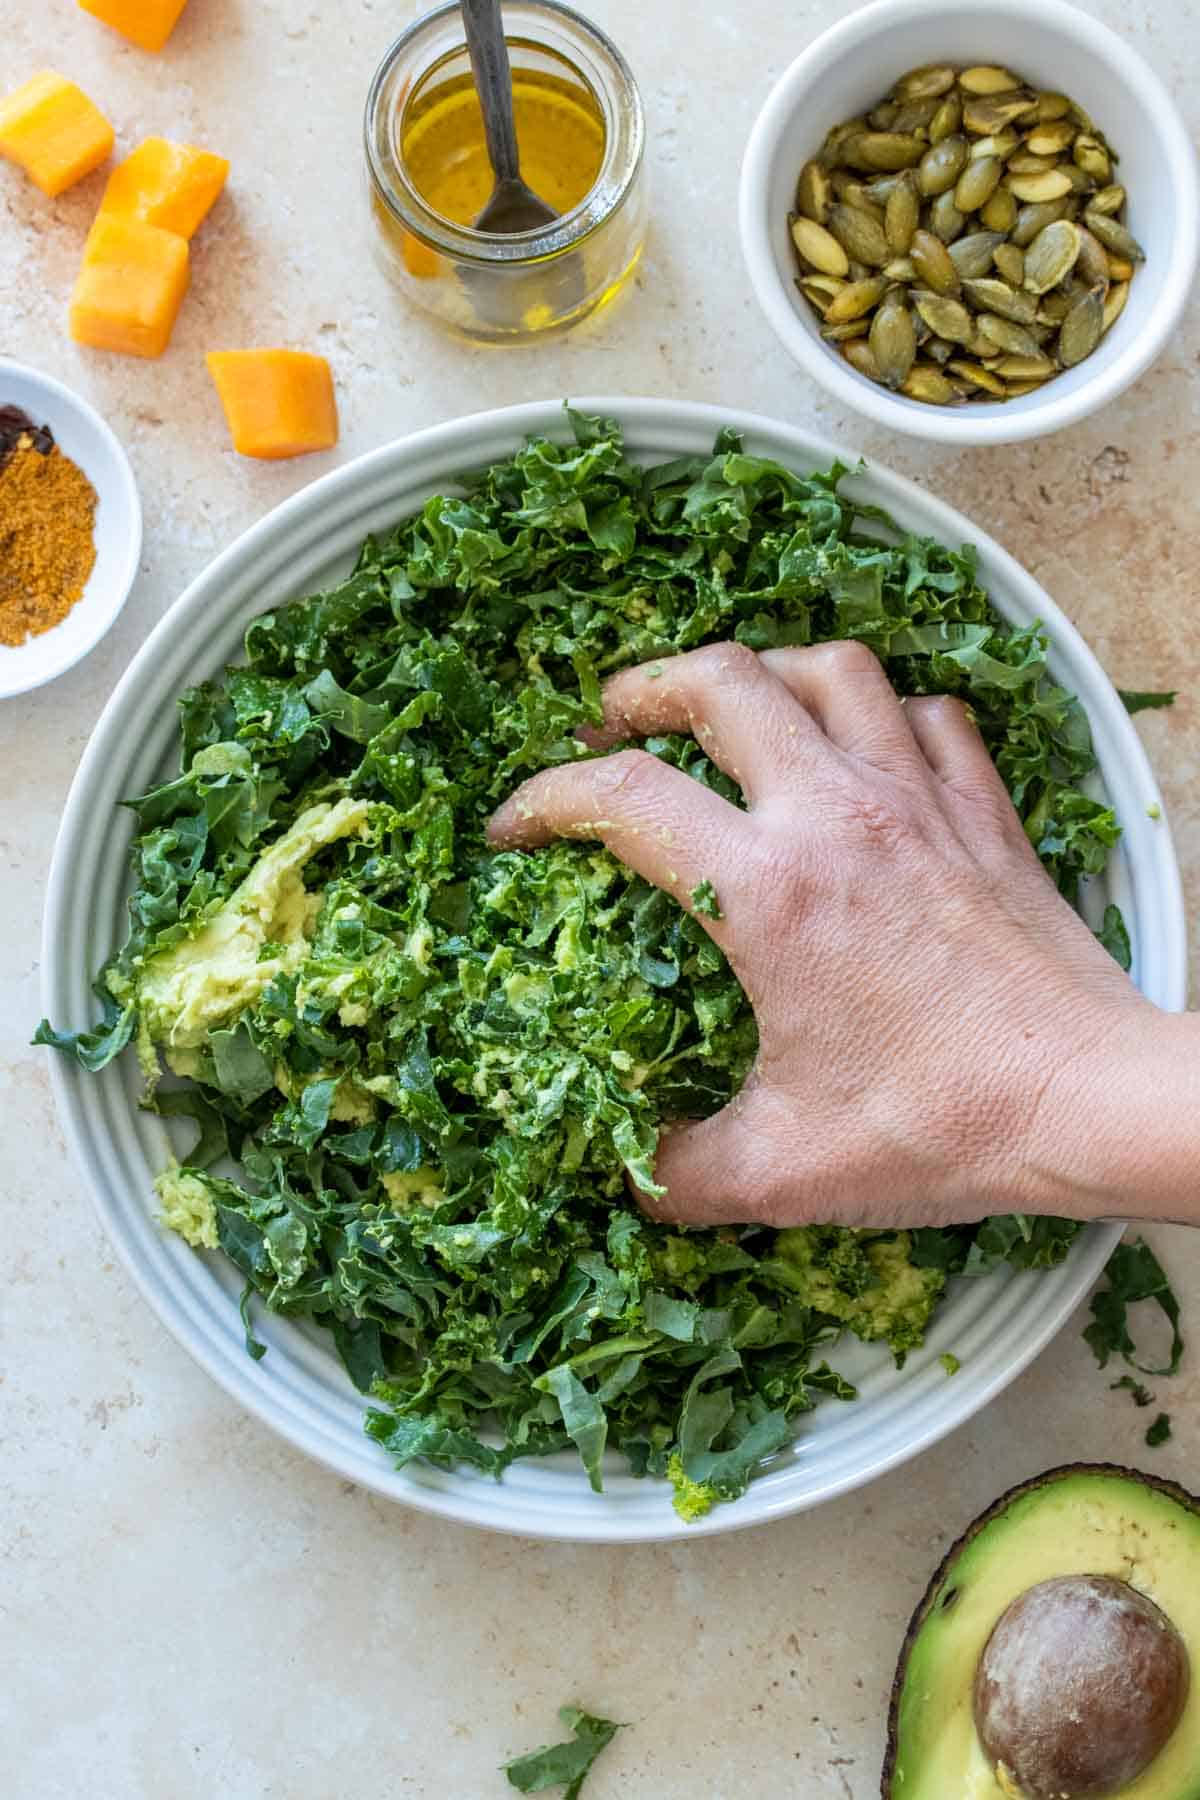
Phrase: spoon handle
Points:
(493, 83)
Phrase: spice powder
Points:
(47, 515)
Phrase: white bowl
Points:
(995, 1325)
(81, 434)
(850, 67)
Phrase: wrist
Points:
(1114, 1132)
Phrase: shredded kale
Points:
(1137, 1390)
(705, 902)
(564, 1765)
(1135, 702)
(1114, 935)
(1133, 1273)
(423, 1072)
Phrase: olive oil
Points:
(560, 135)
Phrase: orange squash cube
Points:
(130, 287)
(165, 184)
(50, 127)
(146, 23)
(277, 402)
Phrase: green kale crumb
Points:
(1159, 1431)
(564, 1765)
(950, 1362)
(1154, 810)
(705, 902)
(1138, 1392)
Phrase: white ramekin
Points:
(851, 66)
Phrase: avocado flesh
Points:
(1083, 1520)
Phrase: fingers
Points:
(735, 707)
(716, 1171)
(844, 687)
(672, 830)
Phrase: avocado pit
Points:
(1079, 1687)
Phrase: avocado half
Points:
(1084, 1518)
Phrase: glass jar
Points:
(512, 286)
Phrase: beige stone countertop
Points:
(190, 1610)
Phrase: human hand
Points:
(928, 1005)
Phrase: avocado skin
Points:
(1171, 1489)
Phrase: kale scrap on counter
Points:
(566, 1765)
(436, 1066)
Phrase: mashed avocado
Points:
(208, 979)
(870, 1284)
(187, 1207)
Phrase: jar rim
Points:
(624, 148)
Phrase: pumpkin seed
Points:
(1026, 163)
(882, 150)
(846, 329)
(1052, 255)
(884, 116)
(1082, 329)
(993, 112)
(1108, 199)
(813, 192)
(1051, 138)
(830, 153)
(1033, 190)
(1120, 268)
(977, 183)
(972, 256)
(939, 349)
(817, 298)
(946, 120)
(926, 83)
(1053, 308)
(1023, 368)
(859, 354)
(1000, 213)
(1113, 235)
(1114, 304)
(1092, 265)
(926, 382)
(1081, 183)
(893, 340)
(859, 234)
(1000, 143)
(880, 188)
(941, 165)
(1017, 389)
(1083, 118)
(1006, 335)
(988, 295)
(979, 377)
(818, 247)
(1010, 264)
(852, 192)
(915, 116)
(1052, 106)
(1032, 219)
(947, 317)
(1091, 156)
(932, 261)
(900, 269)
(856, 298)
(987, 78)
(945, 220)
(901, 218)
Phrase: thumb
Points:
(729, 1169)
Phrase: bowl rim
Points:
(285, 1396)
(130, 505)
(969, 424)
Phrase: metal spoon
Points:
(513, 206)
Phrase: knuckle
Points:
(940, 709)
(725, 662)
(626, 775)
(849, 657)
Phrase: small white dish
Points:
(81, 434)
(850, 67)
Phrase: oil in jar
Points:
(560, 137)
